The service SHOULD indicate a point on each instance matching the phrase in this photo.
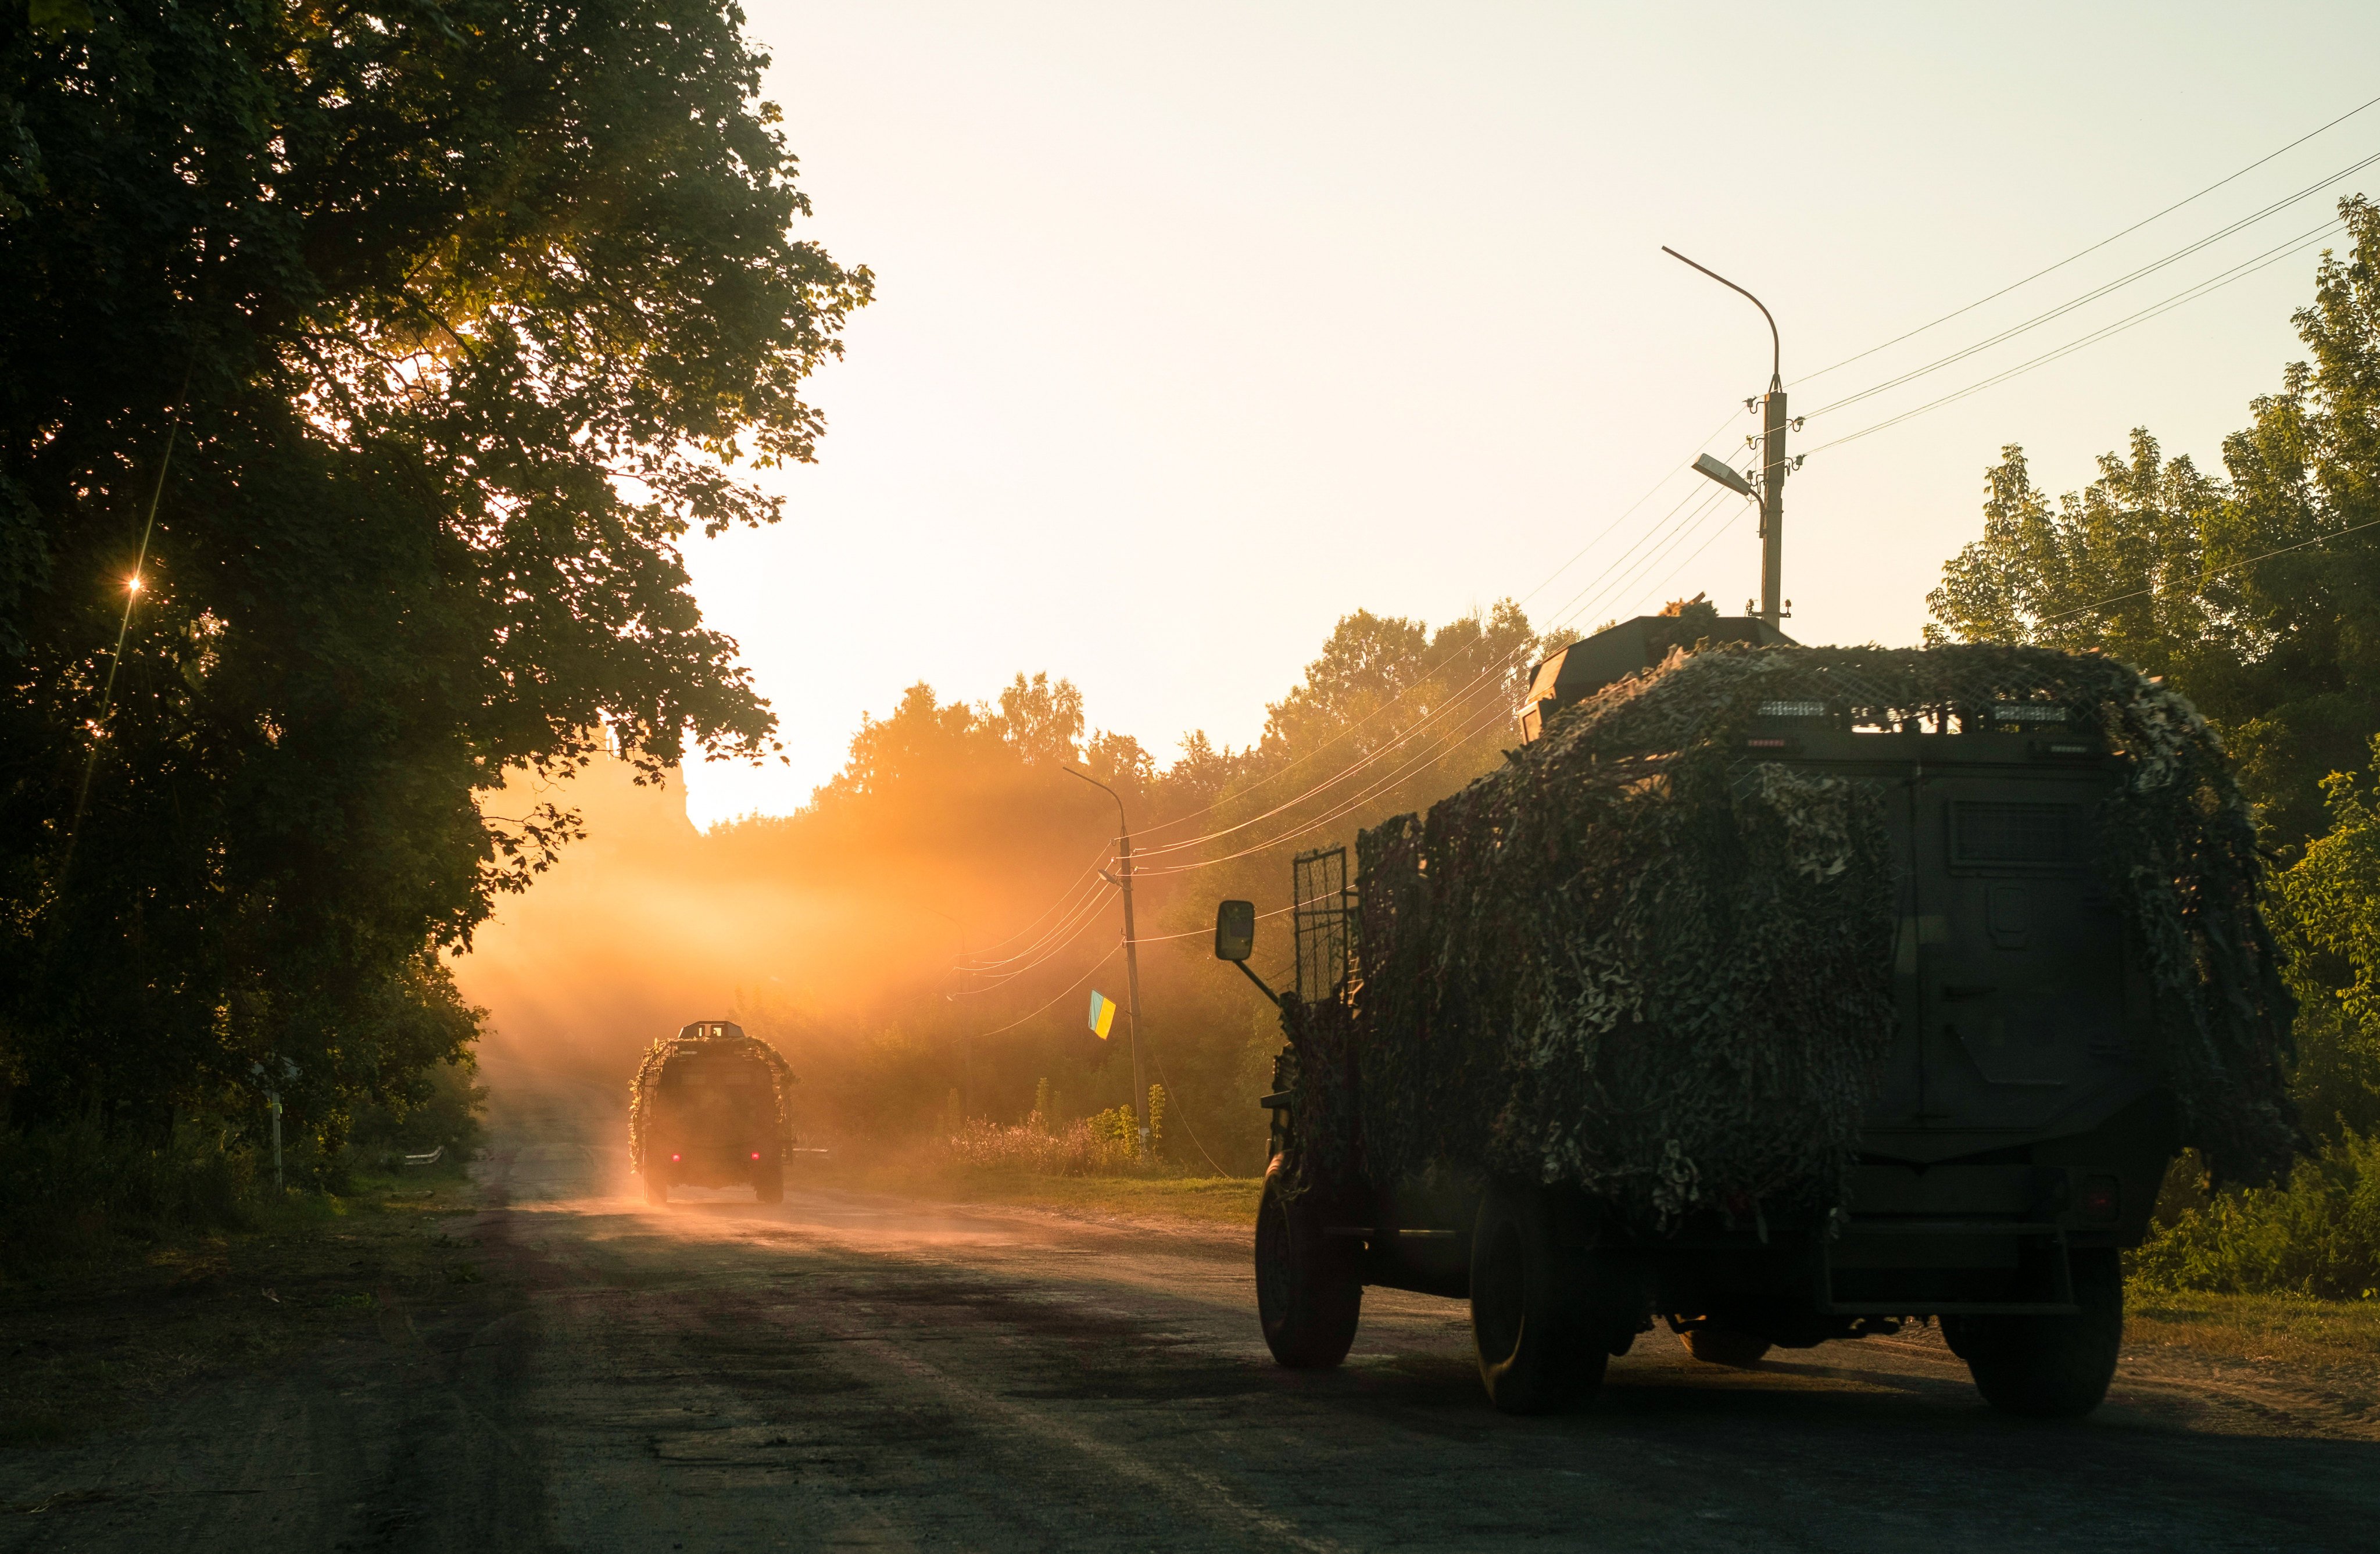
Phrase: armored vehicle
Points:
(712, 1107)
(1783, 995)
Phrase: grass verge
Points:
(1226, 1201)
(90, 1346)
(2296, 1332)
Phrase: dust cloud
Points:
(832, 935)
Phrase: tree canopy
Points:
(393, 349)
(2256, 590)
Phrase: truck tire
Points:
(1724, 1346)
(1308, 1294)
(769, 1182)
(2049, 1367)
(656, 1188)
(1528, 1308)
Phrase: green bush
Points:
(2318, 1234)
(439, 1110)
(73, 1186)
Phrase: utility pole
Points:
(1772, 498)
(1121, 880)
(1773, 463)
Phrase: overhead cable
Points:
(1052, 1003)
(2065, 308)
(2191, 294)
(2081, 253)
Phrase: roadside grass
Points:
(93, 1343)
(2298, 1332)
(1222, 1201)
(1164, 1193)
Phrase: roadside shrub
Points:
(442, 1110)
(1104, 1145)
(72, 1185)
(2316, 1234)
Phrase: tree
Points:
(2257, 592)
(426, 333)
(2330, 926)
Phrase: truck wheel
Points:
(1724, 1346)
(656, 1188)
(769, 1183)
(1308, 1295)
(1527, 1316)
(2051, 1367)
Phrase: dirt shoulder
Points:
(2324, 1355)
(1212, 1203)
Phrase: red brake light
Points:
(2102, 1196)
(672, 1156)
(756, 1154)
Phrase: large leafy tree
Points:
(2257, 592)
(395, 348)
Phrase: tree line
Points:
(364, 367)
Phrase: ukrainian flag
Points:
(1102, 1014)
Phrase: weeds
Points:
(79, 1194)
(1105, 1144)
(2318, 1234)
(1091, 1146)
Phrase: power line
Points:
(1607, 589)
(1440, 747)
(2089, 296)
(1086, 977)
(2095, 248)
(1097, 858)
(2188, 294)
(1078, 926)
(1437, 751)
(1545, 583)
(1073, 901)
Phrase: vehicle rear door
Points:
(2019, 951)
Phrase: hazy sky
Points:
(1198, 326)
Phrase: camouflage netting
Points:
(657, 1057)
(1634, 961)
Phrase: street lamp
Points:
(1725, 474)
(1771, 490)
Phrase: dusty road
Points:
(847, 1371)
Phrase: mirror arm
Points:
(1271, 996)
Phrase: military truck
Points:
(1782, 995)
(712, 1107)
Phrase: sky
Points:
(1199, 326)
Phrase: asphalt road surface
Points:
(848, 1371)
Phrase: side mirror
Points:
(1235, 931)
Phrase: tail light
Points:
(2102, 1197)
(756, 1154)
(674, 1158)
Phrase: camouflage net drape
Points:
(751, 1048)
(1634, 961)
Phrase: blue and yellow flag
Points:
(1102, 1014)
